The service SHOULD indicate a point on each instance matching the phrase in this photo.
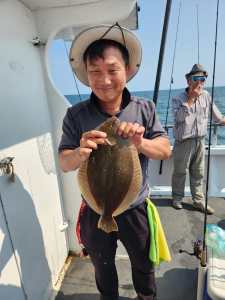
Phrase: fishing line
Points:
(203, 260)
(171, 80)
(197, 32)
(74, 77)
(171, 77)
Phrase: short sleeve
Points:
(71, 133)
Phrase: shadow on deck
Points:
(176, 280)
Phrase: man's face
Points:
(107, 76)
(196, 82)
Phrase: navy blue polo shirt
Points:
(87, 115)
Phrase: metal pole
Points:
(162, 48)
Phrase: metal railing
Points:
(214, 138)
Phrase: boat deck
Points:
(176, 280)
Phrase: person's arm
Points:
(150, 140)
(71, 159)
(217, 116)
(157, 148)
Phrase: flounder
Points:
(111, 178)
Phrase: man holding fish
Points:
(110, 138)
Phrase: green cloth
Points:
(158, 250)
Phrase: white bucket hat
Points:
(115, 33)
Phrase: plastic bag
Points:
(215, 239)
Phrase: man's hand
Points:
(90, 141)
(194, 91)
(157, 148)
(70, 159)
(133, 131)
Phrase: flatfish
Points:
(111, 178)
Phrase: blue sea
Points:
(162, 104)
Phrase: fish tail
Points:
(107, 224)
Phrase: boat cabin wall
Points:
(30, 205)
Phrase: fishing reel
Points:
(197, 249)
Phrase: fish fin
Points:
(107, 224)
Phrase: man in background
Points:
(191, 110)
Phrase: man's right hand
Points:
(90, 141)
(71, 159)
(194, 91)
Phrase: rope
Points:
(121, 30)
(13, 248)
(75, 81)
(203, 263)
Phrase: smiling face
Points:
(107, 75)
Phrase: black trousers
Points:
(135, 236)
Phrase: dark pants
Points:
(134, 234)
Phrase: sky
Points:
(150, 19)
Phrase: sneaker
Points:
(177, 204)
(201, 207)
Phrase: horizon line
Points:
(206, 87)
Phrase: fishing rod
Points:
(171, 81)
(174, 54)
(200, 246)
(203, 258)
(162, 49)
